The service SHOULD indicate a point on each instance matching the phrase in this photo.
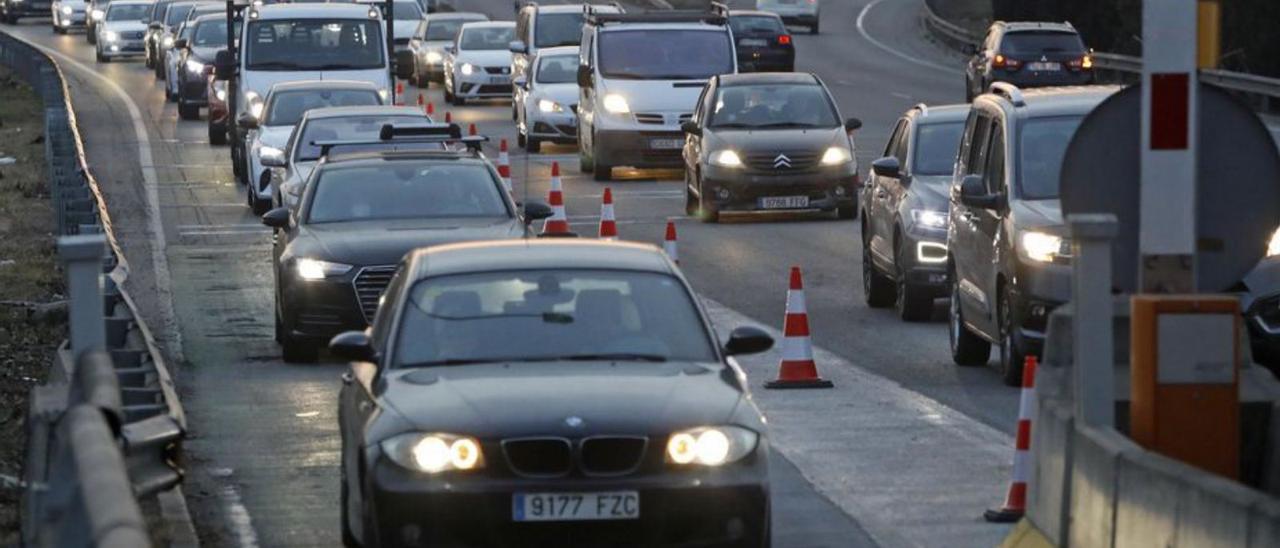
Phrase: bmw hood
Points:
(657, 95)
(523, 399)
(485, 58)
(382, 242)
(931, 192)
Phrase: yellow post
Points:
(1208, 33)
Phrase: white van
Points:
(549, 26)
(639, 78)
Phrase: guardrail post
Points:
(1093, 331)
(82, 259)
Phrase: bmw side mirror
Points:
(747, 340)
(852, 124)
(450, 49)
(534, 211)
(691, 128)
(276, 218)
(518, 46)
(886, 167)
(352, 345)
(973, 193)
(584, 76)
(224, 65)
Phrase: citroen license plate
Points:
(1041, 66)
(666, 143)
(607, 505)
(784, 202)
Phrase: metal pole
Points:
(1091, 236)
(232, 83)
(81, 256)
(391, 48)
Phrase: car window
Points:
(381, 326)
(773, 105)
(977, 144)
(900, 147)
(176, 14)
(157, 10)
(557, 29)
(936, 144)
(287, 107)
(548, 315)
(184, 31)
(486, 38)
(664, 54)
(344, 128)
(405, 190)
(127, 12)
(756, 24)
(1042, 143)
(212, 33)
(1037, 42)
(891, 144)
(522, 25)
(443, 30)
(314, 44)
(994, 173)
(407, 11)
(558, 69)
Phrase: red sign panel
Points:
(1170, 110)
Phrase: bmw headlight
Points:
(168, 42)
(1040, 247)
(434, 57)
(710, 445)
(835, 156)
(434, 453)
(66, 10)
(315, 269)
(467, 69)
(928, 218)
(616, 104)
(194, 66)
(547, 105)
(726, 158)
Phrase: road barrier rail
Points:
(107, 428)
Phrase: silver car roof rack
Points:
(1010, 92)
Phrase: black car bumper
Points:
(1029, 79)
(317, 310)
(718, 507)
(925, 262)
(194, 93)
(733, 189)
(766, 60)
(636, 149)
(1037, 290)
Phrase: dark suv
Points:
(1028, 55)
(1010, 260)
(904, 204)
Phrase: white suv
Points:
(639, 77)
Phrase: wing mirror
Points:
(747, 340)
(247, 121)
(451, 49)
(534, 211)
(691, 128)
(852, 124)
(272, 157)
(521, 82)
(180, 43)
(886, 167)
(518, 46)
(352, 345)
(276, 218)
(224, 65)
(973, 193)
(584, 76)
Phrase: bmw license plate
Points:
(609, 505)
(666, 143)
(784, 202)
(752, 42)
(1040, 66)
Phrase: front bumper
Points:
(723, 507)
(623, 147)
(319, 309)
(29, 9)
(766, 60)
(925, 261)
(75, 19)
(123, 48)
(1037, 290)
(741, 189)
(1027, 79)
(560, 127)
(482, 85)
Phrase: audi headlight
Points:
(434, 453)
(1040, 247)
(835, 156)
(547, 105)
(315, 269)
(467, 69)
(168, 42)
(710, 445)
(928, 218)
(194, 66)
(726, 158)
(66, 10)
(98, 15)
(434, 57)
(616, 104)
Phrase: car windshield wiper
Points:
(339, 66)
(616, 356)
(733, 125)
(546, 317)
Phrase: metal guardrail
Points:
(1262, 92)
(73, 474)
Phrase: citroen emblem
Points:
(573, 422)
(781, 161)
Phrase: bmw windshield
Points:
(314, 44)
(675, 54)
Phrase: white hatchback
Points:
(478, 63)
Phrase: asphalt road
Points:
(264, 447)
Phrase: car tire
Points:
(967, 349)
(187, 112)
(217, 135)
(877, 289)
(91, 37)
(102, 58)
(1011, 354)
(913, 303)
(707, 210)
(585, 163)
(532, 146)
(293, 350)
(349, 539)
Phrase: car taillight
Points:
(784, 39)
(1002, 62)
(1083, 63)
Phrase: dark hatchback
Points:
(762, 42)
(549, 393)
(769, 141)
(1029, 54)
(359, 214)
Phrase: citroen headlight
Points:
(616, 104)
(835, 156)
(547, 105)
(315, 269)
(710, 445)
(66, 10)
(1040, 247)
(98, 15)
(167, 41)
(928, 218)
(434, 453)
(194, 66)
(434, 57)
(467, 69)
(726, 158)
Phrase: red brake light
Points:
(784, 39)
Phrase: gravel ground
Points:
(30, 326)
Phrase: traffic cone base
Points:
(799, 383)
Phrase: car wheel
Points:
(707, 210)
(1011, 354)
(532, 146)
(159, 69)
(217, 135)
(293, 350)
(966, 348)
(877, 289)
(349, 539)
(91, 37)
(102, 58)
(913, 303)
(188, 112)
(515, 115)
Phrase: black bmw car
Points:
(549, 393)
(359, 214)
(769, 141)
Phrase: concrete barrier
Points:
(1049, 489)
(1095, 454)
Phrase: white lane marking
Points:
(862, 29)
(238, 515)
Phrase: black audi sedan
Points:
(359, 214)
(549, 393)
(762, 42)
(769, 141)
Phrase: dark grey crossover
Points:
(549, 393)
(1028, 54)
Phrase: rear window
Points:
(560, 69)
(1037, 42)
(177, 14)
(756, 24)
(444, 30)
(558, 29)
(936, 146)
(346, 128)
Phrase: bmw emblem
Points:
(573, 422)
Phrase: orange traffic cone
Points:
(504, 164)
(1015, 502)
(669, 243)
(608, 224)
(797, 369)
(471, 130)
(420, 99)
(431, 108)
(448, 117)
(557, 223)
